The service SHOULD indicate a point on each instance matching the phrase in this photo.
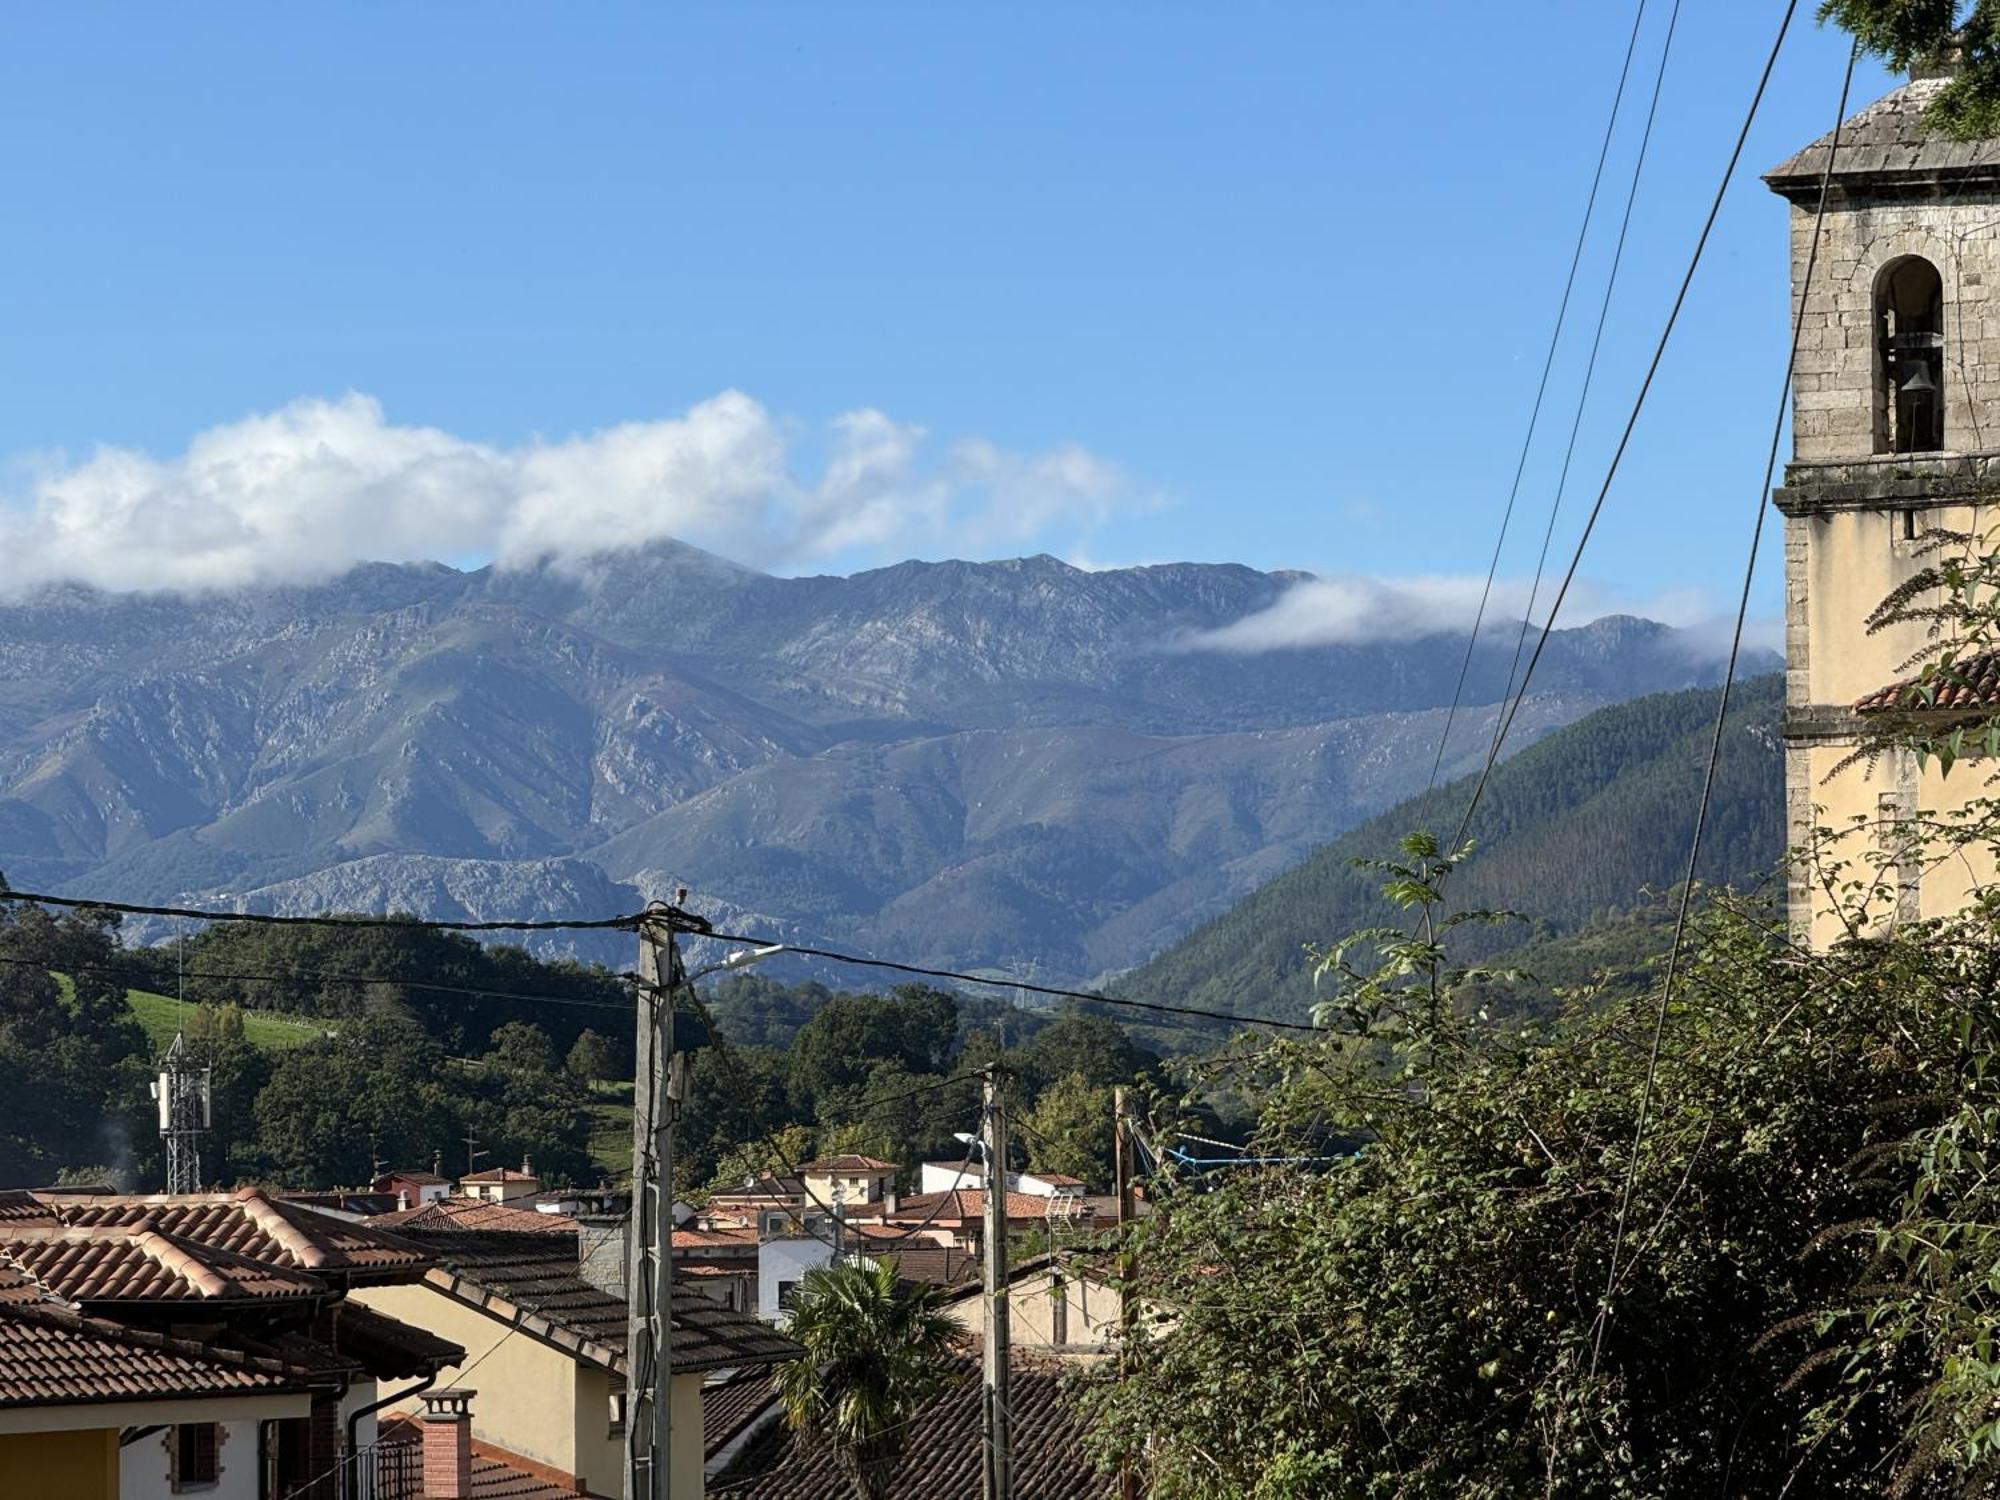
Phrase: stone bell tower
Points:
(1896, 431)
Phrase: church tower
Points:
(1896, 432)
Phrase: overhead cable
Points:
(1541, 389)
(1721, 715)
(1631, 423)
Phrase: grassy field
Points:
(611, 1128)
(160, 1015)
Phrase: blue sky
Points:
(1256, 283)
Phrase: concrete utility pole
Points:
(1128, 1477)
(650, 1229)
(996, 1399)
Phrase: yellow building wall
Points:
(537, 1401)
(1868, 854)
(81, 1465)
(527, 1400)
(1853, 560)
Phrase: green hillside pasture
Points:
(161, 1016)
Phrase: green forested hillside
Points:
(1575, 826)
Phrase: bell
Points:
(1916, 379)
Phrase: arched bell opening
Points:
(1909, 357)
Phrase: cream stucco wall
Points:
(1088, 1308)
(538, 1401)
(1872, 853)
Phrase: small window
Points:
(196, 1456)
(788, 1293)
(1909, 357)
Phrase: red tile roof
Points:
(1970, 683)
(252, 1224)
(499, 1174)
(135, 1263)
(849, 1162)
(52, 1357)
(469, 1213)
(715, 1239)
(495, 1474)
(970, 1203)
(942, 1455)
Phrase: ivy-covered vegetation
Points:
(1804, 1296)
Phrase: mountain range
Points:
(1570, 835)
(1018, 764)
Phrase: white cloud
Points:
(1350, 610)
(302, 493)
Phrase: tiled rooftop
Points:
(493, 1477)
(500, 1174)
(970, 1203)
(49, 1356)
(941, 1460)
(250, 1224)
(1889, 137)
(539, 1274)
(1972, 683)
(134, 1263)
(848, 1162)
(731, 1404)
(934, 1265)
(469, 1213)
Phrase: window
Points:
(197, 1462)
(788, 1292)
(1909, 357)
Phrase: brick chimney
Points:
(448, 1444)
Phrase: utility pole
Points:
(1128, 1477)
(650, 1228)
(996, 1398)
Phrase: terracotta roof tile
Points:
(251, 1224)
(849, 1162)
(137, 1263)
(500, 1174)
(970, 1203)
(941, 1458)
(469, 1213)
(1970, 683)
(493, 1476)
(50, 1357)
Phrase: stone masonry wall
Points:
(1833, 400)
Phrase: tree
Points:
(876, 1350)
(837, 1049)
(1428, 1315)
(1094, 1048)
(1902, 32)
(1069, 1130)
(592, 1058)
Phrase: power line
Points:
(1541, 390)
(1721, 714)
(1631, 422)
(1590, 363)
(348, 919)
(1056, 991)
(321, 976)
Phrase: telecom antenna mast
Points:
(182, 1092)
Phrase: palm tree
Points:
(876, 1351)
